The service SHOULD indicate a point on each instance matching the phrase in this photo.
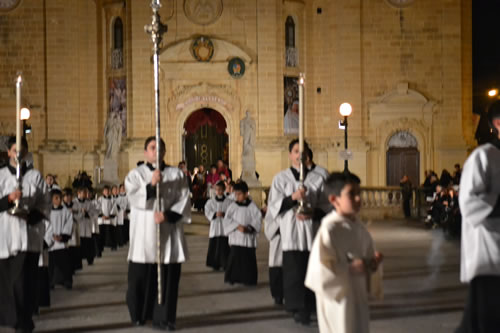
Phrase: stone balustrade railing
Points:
(388, 196)
(382, 202)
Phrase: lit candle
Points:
(19, 82)
(301, 112)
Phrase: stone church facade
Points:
(404, 66)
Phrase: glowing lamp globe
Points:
(345, 109)
(25, 114)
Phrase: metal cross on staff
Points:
(156, 29)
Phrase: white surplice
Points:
(121, 204)
(107, 209)
(61, 220)
(82, 210)
(213, 206)
(272, 232)
(341, 296)
(175, 198)
(245, 215)
(479, 195)
(15, 234)
(48, 239)
(296, 235)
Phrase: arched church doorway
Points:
(205, 138)
(403, 158)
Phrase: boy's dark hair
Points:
(153, 138)
(106, 187)
(213, 166)
(337, 180)
(221, 184)
(232, 183)
(309, 153)
(67, 191)
(12, 141)
(294, 142)
(241, 186)
(81, 189)
(55, 192)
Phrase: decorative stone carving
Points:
(181, 51)
(203, 12)
(202, 49)
(248, 129)
(402, 139)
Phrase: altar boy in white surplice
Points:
(341, 261)
(141, 185)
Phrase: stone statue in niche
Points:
(248, 129)
(113, 135)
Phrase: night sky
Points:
(486, 48)
(485, 59)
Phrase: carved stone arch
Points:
(221, 98)
(415, 127)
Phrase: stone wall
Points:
(357, 51)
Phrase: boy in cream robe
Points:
(341, 261)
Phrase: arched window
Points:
(290, 32)
(117, 49)
(118, 34)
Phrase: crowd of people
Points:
(69, 230)
(44, 244)
(440, 197)
(202, 182)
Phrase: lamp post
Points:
(25, 115)
(345, 110)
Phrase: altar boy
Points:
(60, 266)
(218, 246)
(141, 185)
(341, 261)
(242, 223)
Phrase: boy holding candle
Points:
(21, 239)
(296, 231)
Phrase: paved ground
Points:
(422, 291)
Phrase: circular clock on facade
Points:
(400, 3)
(8, 5)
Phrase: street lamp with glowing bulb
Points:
(25, 115)
(345, 110)
(493, 92)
